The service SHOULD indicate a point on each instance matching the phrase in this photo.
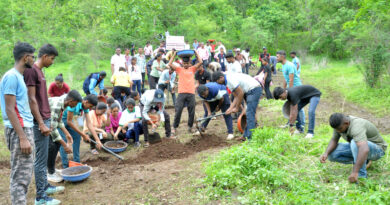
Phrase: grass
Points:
(276, 168)
(346, 79)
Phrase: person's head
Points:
(280, 93)
(195, 40)
(293, 54)
(162, 44)
(281, 56)
(102, 75)
(110, 101)
(339, 122)
(140, 51)
(230, 57)
(203, 91)
(47, 54)
(208, 43)
(159, 98)
(148, 43)
(132, 45)
(219, 43)
(221, 50)
(186, 62)
(201, 44)
(73, 98)
(135, 96)
(122, 69)
(24, 54)
(118, 51)
(59, 80)
(161, 51)
(133, 61)
(238, 50)
(127, 51)
(100, 108)
(264, 61)
(130, 103)
(114, 107)
(247, 50)
(103, 92)
(264, 49)
(218, 77)
(90, 101)
(158, 56)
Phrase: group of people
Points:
(220, 78)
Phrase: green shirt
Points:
(156, 73)
(362, 130)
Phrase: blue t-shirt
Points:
(216, 91)
(296, 62)
(13, 84)
(77, 110)
(289, 68)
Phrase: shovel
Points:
(199, 121)
(111, 152)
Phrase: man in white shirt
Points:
(232, 64)
(245, 53)
(153, 101)
(242, 84)
(203, 54)
(148, 49)
(117, 60)
(220, 45)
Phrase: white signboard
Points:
(176, 42)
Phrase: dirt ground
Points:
(169, 172)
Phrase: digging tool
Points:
(199, 121)
(111, 152)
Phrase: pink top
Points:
(114, 122)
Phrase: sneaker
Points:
(197, 133)
(54, 189)
(137, 144)
(298, 132)
(284, 126)
(47, 201)
(309, 136)
(146, 144)
(230, 137)
(55, 177)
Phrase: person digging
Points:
(364, 144)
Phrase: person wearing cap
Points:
(264, 54)
(215, 98)
(92, 81)
(186, 90)
(233, 65)
(242, 85)
(129, 123)
(153, 101)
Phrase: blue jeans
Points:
(137, 86)
(225, 105)
(40, 162)
(347, 153)
(134, 133)
(252, 100)
(76, 146)
(312, 112)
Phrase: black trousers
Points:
(268, 93)
(182, 100)
(145, 126)
(54, 147)
(153, 82)
(118, 90)
(143, 80)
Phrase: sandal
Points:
(146, 144)
(94, 152)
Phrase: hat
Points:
(238, 49)
(264, 47)
(159, 96)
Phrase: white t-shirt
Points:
(148, 50)
(246, 82)
(130, 115)
(135, 74)
(234, 67)
(118, 61)
(219, 96)
(246, 55)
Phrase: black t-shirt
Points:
(301, 92)
(267, 70)
(203, 78)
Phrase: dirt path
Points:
(168, 172)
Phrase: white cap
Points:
(237, 49)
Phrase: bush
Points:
(374, 65)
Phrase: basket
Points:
(186, 53)
(241, 123)
(286, 109)
(75, 174)
(120, 146)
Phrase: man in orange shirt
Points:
(186, 89)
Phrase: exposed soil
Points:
(77, 171)
(115, 145)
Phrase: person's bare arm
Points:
(293, 113)
(112, 68)
(284, 84)
(199, 60)
(35, 111)
(363, 151)
(298, 66)
(291, 82)
(238, 96)
(67, 135)
(331, 147)
(171, 65)
(10, 102)
(207, 108)
(92, 130)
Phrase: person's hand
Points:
(142, 82)
(231, 110)
(292, 130)
(353, 178)
(116, 137)
(99, 145)
(104, 134)
(167, 81)
(154, 126)
(69, 139)
(86, 138)
(25, 146)
(68, 149)
(217, 109)
(323, 158)
(44, 130)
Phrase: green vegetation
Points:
(276, 168)
(345, 78)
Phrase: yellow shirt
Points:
(121, 78)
